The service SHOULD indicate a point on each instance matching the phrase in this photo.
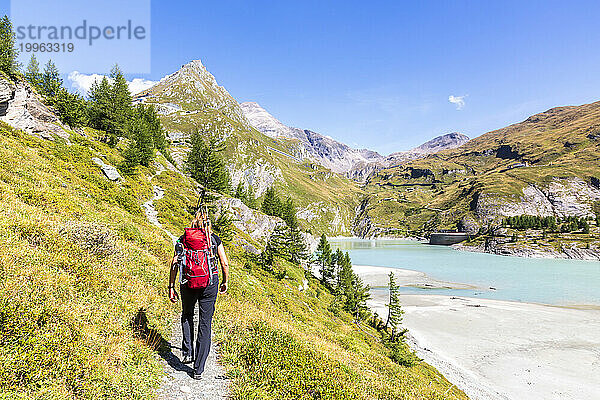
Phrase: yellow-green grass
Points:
(78, 264)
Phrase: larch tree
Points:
(394, 309)
(205, 163)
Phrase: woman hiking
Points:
(196, 255)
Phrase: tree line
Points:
(550, 223)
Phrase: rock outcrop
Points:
(258, 225)
(108, 170)
(561, 198)
(21, 108)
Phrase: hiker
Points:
(193, 253)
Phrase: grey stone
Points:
(108, 170)
(23, 109)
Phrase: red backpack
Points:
(197, 265)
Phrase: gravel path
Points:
(178, 383)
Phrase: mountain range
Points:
(357, 164)
(546, 165)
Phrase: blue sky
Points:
(378, 74)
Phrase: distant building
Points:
(519, 165)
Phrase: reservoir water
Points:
(547, 281)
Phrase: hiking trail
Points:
(178, 383)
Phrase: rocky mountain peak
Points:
(443, 142)
(265, 122)
(356, 164)
(189, 90)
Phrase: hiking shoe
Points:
(197, 376)
(187, 360)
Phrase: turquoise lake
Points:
(547, 281)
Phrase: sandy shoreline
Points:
(378, 277)
(495, 349)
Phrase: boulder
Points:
(108, 170)
(258, 225)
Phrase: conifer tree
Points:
(33, 74)
(394, 309)
(240, 192)
(344, 273)
(205, 164)
(121, 102)
(151, 122)
(288, 213)
(250, 197)
(141, 148)
(51, 81)
(100, 106)
(8, 51)
(71, 107)
(271, 204)
(110, 108)
(323, 258)
(295, 244)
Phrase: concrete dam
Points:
(447, 238)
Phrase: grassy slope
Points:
(557, 143)
(80, 262)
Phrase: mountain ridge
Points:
(337, 156)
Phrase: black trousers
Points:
(206, 308)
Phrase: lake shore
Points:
(543, 252)
(378, 277)
(494, 349)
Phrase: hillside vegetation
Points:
(556, 154)
(83, 304)
(79, 266)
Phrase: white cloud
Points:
(82, 82)
(137, 85)
(458, 100)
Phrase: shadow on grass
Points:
(154, 339)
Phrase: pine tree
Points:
(71, 107)
(51, 81)
(147, 114)
(394, 309)
(357, 303)
(343, 273)
(141, 147)
(111, 111)
(8, 51)
(296, 246)
(288, 213)
(121, 102)
(205, 164)
(33, 74)
(99, 107)
(240, 192)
